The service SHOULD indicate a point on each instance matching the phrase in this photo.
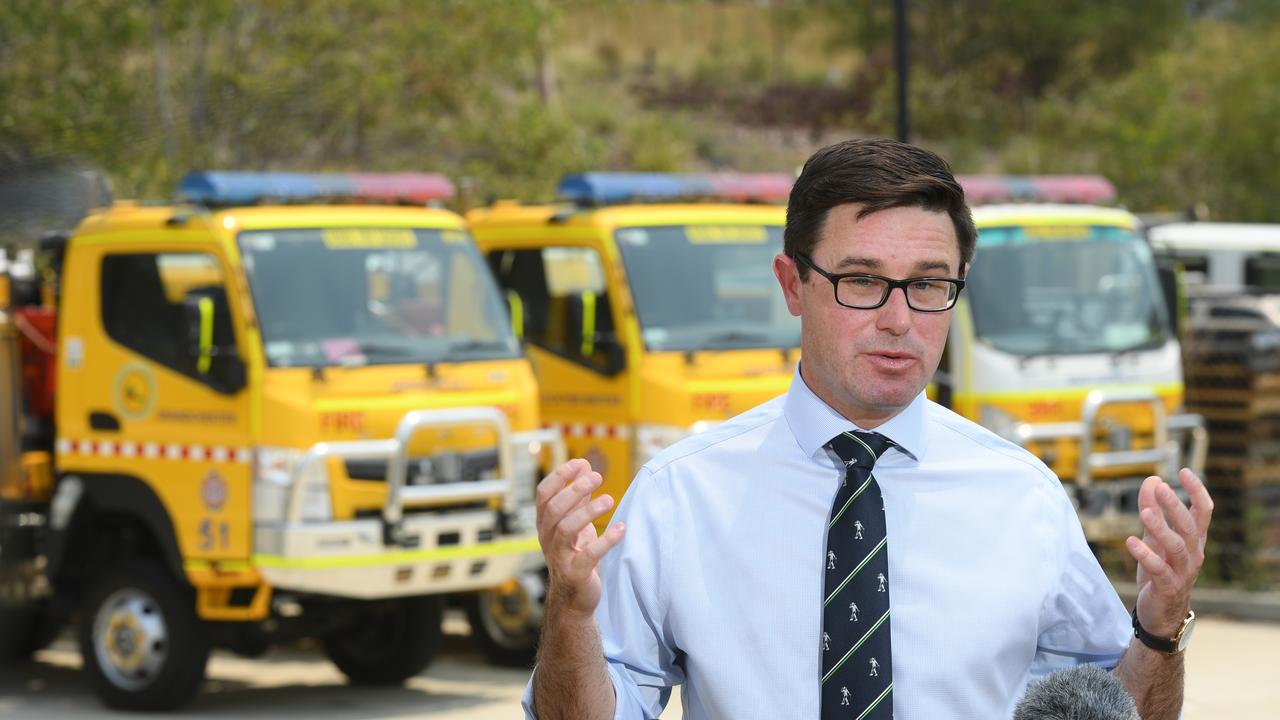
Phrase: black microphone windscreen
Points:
(1084, 692)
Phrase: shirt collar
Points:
(814, 422)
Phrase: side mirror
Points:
(611, 354)
(210, 341)
(235, 377)
(1169, 275)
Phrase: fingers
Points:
(1201, 502)
(1150, 561)
(566, 512)
(1172, 549)
(591, 554)
(582, 515)
(1158, 503)
(553, 483)
(1178, 514)
(1172, 546)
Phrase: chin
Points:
(888, 400)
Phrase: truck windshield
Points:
(707, 287)
(1074, 290)
(366, 296)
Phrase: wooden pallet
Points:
(1244, 539)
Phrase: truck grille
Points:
(441, 468)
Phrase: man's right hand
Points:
(572, 549)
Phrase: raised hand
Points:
(1170, 552)
(570, 545)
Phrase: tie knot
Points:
(859, 448)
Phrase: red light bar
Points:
(984, 189)
(411, 187)
(1090, 189)
(612, 188)
(758, 187)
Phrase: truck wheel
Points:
(393, 642)
(505, 623)
(142, 644)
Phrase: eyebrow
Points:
(874, 264)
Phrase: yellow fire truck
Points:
(646, 320)
(290, 406)
(1062, 343)
(648, 306)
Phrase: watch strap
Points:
(1155, 642)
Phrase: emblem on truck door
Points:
(134, 391)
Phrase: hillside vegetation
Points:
(1174, 101)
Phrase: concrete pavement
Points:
(1233, 672)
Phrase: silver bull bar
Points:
(466, 548)
(1108, 509)
(397, 450)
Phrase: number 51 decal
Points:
(214, 535)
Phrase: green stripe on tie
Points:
(855, 571)
(856, 645)
(868, 447)
(849, 502)
(877, 702)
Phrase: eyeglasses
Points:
(863, 291)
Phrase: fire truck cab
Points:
(289, 406)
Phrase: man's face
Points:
(870, 364)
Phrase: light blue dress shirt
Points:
(717, 585)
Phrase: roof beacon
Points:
(249, 188)
(612, 188)
(1085, 189)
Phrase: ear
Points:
(784, 268)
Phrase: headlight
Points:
(652, 438)
(524, 471)
(998, 421)
(275, 474)
(276, 465)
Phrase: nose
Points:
(895, 315)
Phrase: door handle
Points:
(99, 420)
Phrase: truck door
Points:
(560, 299)
(152, 390)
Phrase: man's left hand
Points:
(1170, 552)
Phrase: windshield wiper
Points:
(386, 349)
(473, 345)
(736, 339)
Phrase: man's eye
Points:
(861, 282)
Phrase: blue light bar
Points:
(611, 188)
(248, 188)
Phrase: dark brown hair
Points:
(878, 174)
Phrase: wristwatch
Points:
(1171, 646)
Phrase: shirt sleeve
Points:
(643, 660)
(1083, 619)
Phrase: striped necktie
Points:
(857, 667)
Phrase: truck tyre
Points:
(504, 625)
(394, 641)
(142, 644)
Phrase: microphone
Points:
(1083, 692)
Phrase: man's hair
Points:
(878, 174)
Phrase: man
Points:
(742, 553)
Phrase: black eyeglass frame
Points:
(892, 285)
